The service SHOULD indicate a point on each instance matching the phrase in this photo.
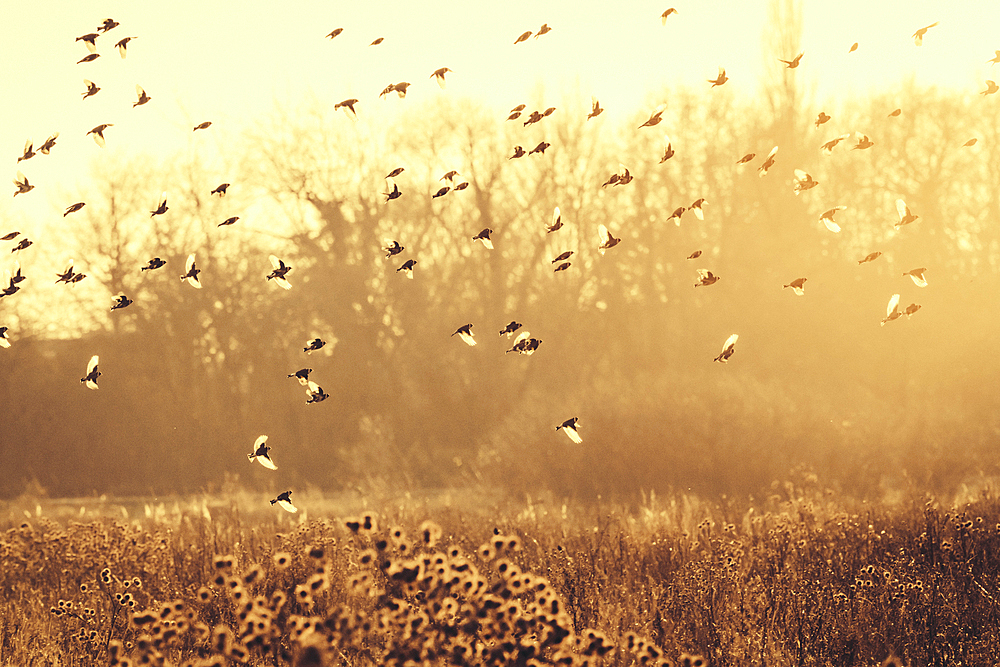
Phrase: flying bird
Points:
(918, 36)
(21, 181)
(279, 270)
(854, 47)
(89, 40)
(719, 80)
(655, 117)
(4, 340)
(917, 275)
(315, 393)
(395, 172)
(484, 236)
(606, 238)
(545, 29)
(449, 176)
(407, 268)
(524, 344)
(108, 24)
(28, 153)
(895, 113)
(123, 46)
(220, 190)
(523, 37)
(540, 148)
(465, 333)
(828, 147)
(746, 158)
(597, 110)
(892, 311)
(863, 143)
(556, 223)
(510, 328)
(143, 97)
(98, 133)
(191, 273)
(121, 301)
(905, 216)
(569, 428)
(153, 264)
(695, 255)
(664, 15)
(441, 192)
(870, 257)
(970, 142)
(378, 40)
(162, 207)
(461, 186)
(794, 62)
(668, 149)
(518, 152)
(395, 193)
(229, 221)
(797, 285)
(696, 208)
(10, 236)
(90, 379)
(991, 87)
(92, 88)
(728, 348)
(313, 345)
(49, 143)
(88, 58)
(302, 375)
(827, 218)
(21, 245)
(438, 75)
(335, 32)
(392, 247)
(67, 275)
(562, 267)
(260, 454)
(202, 126)
(285, 503)
(995, 59)
(534, 118)
(563, 256)
(768, 163)
(911, 309)
(706, 278)
(803, 181)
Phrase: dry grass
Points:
(805, 579)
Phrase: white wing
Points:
(275, 262)
(266, 462)
(189, 263)
(467, 337)
(259, 441)
(603, 234)
(902, 209)
(573, 435)
(556, 216)
(282, 283)
(893, 305)
(92, 364)
(287, 506)
(731, 341)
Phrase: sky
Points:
(233, 62)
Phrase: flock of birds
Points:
(523, 343)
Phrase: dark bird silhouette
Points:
(606, 238)
(484, 237)
(828, 147)
(870, 257)
(229, 221)
(313, 345)
(544, 30)
(696, 208)
(302, 375)
(49, 143)
(905, 216)
(108, 24)
(347, 106)
(556, 223)
(162, 207)
(510, 328)
(540, 148)
(827, 218)
(122, 46)
(396, 172)
(153, 264)
(395, 193)
(569, 428)
(746, 158)
(695, 255)
(378, 40)
(917, 275)
(73, 208)
(28, 152)
(524, 344)
(220, 190)
(863, 143)
(392, 247)
(98, 133)
(4, 340)
(562, 267)
(191, 273)
(664, 15)
(706, 278)
(794, 62)
(728, 348)
(407, 268)
(655, 117)
(668, 149)
(92, 88)
(21, 245)
(534, 118)
(465, 333)
(524, 36)
(9, 236)
(719, 80)
(563, 256)
(461, 186)
(21, 181)
(797, 285)
(514, 115)
(596, 110)
(143, 97)
(89, 40)
(285, 503)
(202, 126)
(438, 75)
(822, 118)
(88, 58)
(441, 192)
(121, 301)
(260, 455)
(90, 379)
(278, 272)
(315, 393)
(336, 31)
(518, 152)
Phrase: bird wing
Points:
(902, 209)
(730, 342)
(189, 264)
(275, 262)
(92, 364)
(893, 305)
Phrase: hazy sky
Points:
(228, 62)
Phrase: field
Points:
(804, 578)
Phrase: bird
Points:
(655, 117)
(407, 268)
(98, 133)
(9, 236)
(67, 275)
(523, 36)
(260, 454)
(315, 393)
(191, 273)
(706, 278)
(863, 143)
(892, 310)
(695, 255)
(121, 301)
(336, 31)
(606, 238)
(827, 218)
(511, 327)
(569, 428)
(746, 158)
(21, 245)
(911, 309)
(545, 29)
(518, 152)
(696, 208)
(803, 181)
(392, 247)
(917, 275)
(794, 62)
(556, 223)
(161, 207)
(870, 257)
(279, 270)
(108, 24)
(395, 172)
(143, 97)
(854, 47)
(991, 87)
(49, 143)
(77, 278)
(918, 36)
(596, 110)
(202, 126)
(905, 216)
(970, 142)
(519, 107)
(563, 256)
(514, 115)
(664, 15)
(89, 40)
(302, 375)
(21, 181)
(995, 59)
(438, 75)
(534, 118)
(461, 186)
(441, 192)
(822, 118)
(728, 348)
(668, 149)
(484, 236)
(92, 88)
(797, 286)
(11, 288)
(378, 40)
(540, 148)
(895, 113)
(465, 333)
(395, 193)
(4, 341)
(676, 215)
(28, 153)
(313, 345)
(719, 80)
(90, 379)
(229, 221)
(768, 163)
(88, 58)
(562, 267)
(524, 344)
(220, 190)
(285, 503)
(122, 46)
(153, 264)
(828, 147)
(449, 176)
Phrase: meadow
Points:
(803, 577)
